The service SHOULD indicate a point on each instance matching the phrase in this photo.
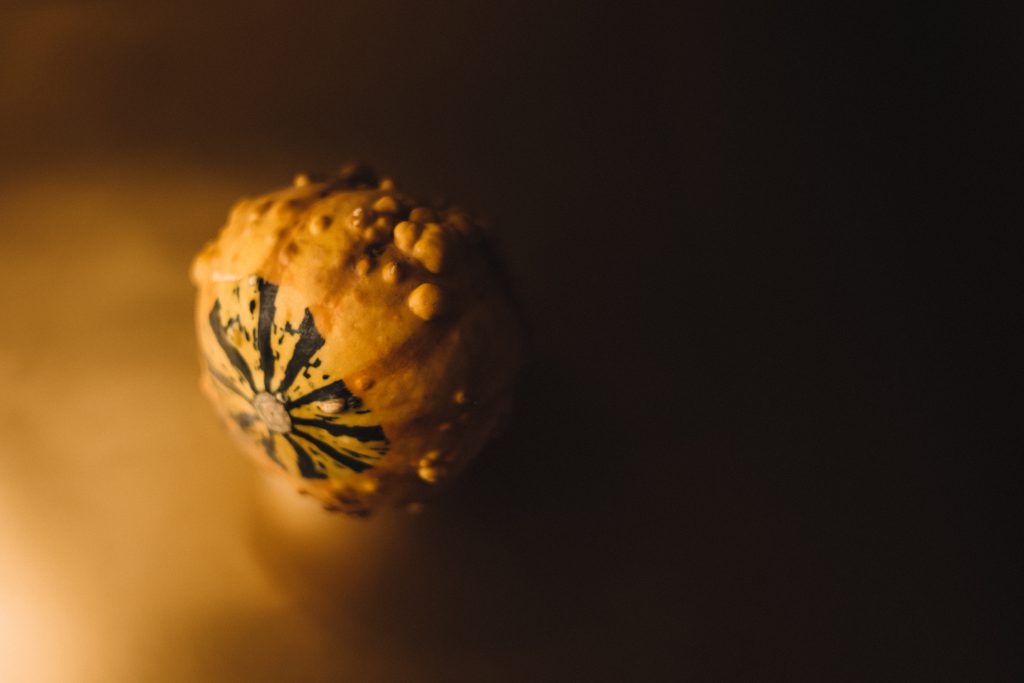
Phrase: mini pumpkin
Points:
(356, 341)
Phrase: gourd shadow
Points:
(504, 565)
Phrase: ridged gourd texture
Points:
(356, 341)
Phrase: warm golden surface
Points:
(136, 544)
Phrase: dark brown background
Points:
(746, 448)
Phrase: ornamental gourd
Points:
(356, 341)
